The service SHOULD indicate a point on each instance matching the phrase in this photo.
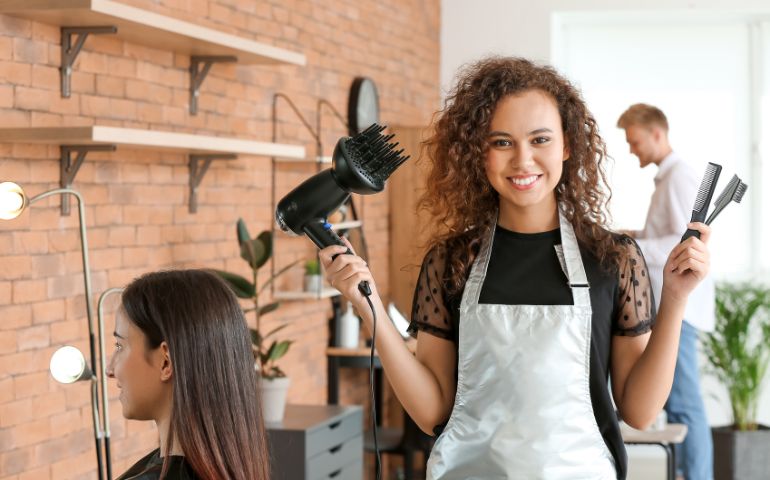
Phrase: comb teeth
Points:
(706, 189)
(738, 195)
(373, 155)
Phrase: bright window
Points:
(701, 74)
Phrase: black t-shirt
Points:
(524, 270)
(150, 466)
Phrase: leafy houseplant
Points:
(739, 348)
(256, 252)
(738, 352)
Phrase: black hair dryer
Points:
(360, 164)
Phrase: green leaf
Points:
(256, 338)
(263, 248)
(243, 232)
(278, 350)
(239, 285)
(270, 307)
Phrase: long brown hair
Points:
(216, 417)
(460, 200)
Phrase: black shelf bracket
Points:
(70, 50)
(199, 68)
(68, 167)
(199, 165)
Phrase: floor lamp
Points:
(68, 364)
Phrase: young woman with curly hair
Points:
(526, 303)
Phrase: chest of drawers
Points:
(315, 442)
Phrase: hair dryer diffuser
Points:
(360, 164)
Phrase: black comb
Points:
(703, 199)
(733, 192)
(363, 162)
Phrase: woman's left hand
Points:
(688, 263)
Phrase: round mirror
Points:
(363, 105)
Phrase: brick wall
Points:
(137, 199)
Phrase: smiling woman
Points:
(183, 359)
(526, 303)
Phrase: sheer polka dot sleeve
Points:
(429, 310)
(636, 314)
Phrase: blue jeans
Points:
(685, 405)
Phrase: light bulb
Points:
(12, 200)
(68, 365)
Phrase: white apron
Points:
(523, 407)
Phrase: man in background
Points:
(676, 186)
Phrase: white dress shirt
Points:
(676, 186)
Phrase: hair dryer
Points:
(360, 164)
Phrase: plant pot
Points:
(313, 283)
(740, 455)
(274, 397)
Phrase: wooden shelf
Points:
(148, 28)
(158, 140)
(303, 295)
(347, 225)
(324, 160)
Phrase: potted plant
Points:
(274, 383)
(313, 280)
(738, 352)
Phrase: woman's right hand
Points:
(345, 272)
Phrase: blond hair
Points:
(643, 115)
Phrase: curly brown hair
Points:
(460, 200)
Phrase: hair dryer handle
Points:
(323, 236)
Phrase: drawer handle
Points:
(335, 473)
(334, 425)
(335, 449)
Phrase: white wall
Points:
(471, 30)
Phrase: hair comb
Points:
(703, 199)
(733, 192)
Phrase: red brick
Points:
(8, 342)
(15, 316)
(106, 258)
(31, 433)
(15, 461)
(41, 119)
(54, 402)
(5, 293)
(48, 265)
(15, 27)
(15, 73)
(16, 413)
(6, 388)
(6, 96)
(26, 291)
(30, 51)
(110, 86)
(64, 240)
(48, 311)
(45, 77)
(73, 466)
(30, 242)
(122, 236)
(66, 422)
(64, 286)
(39, 473)
(67, 331)
(33, 338)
